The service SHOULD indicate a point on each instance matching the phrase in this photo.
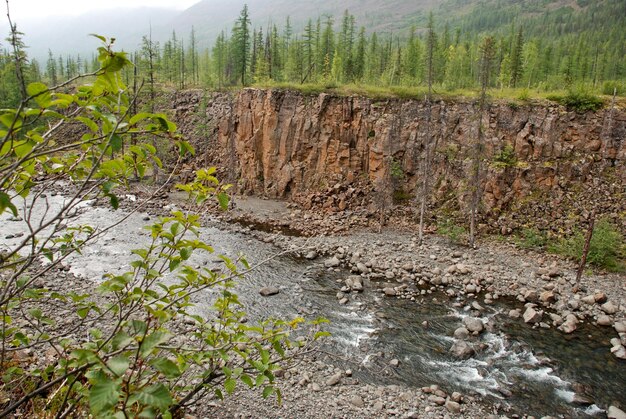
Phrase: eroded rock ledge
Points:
(545, 166)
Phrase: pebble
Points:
(357, 401)
(268, 291)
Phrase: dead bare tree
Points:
(426, 163)
(487, 55)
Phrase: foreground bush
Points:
(115, 352)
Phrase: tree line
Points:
(335, 51)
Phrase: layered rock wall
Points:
(537, 157)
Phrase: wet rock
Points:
(470, 288)
(355, 283)
(394, 362)
(620, 327)
(515, 314)
(582, 399)
(473, 324)
(389, 291)
(570, 324)
(268, 291)
(462, 350)
(604, 320)
(461, 333)
(532, 316)
(619, 351)
(615, 412)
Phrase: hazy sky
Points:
(26, 9)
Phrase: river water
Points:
(520, 369)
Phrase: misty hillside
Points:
(540, 18)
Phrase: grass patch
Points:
(606, 250)
(531, 238)
(579, 101)
(454, 232)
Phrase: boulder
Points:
(548, 297)
(615, 413)
(332, 262)
(362, 268)
(453, 407)
(608, 308)
(473, 324)
(532, 316)
(462, 350)
(355, 283)
(461, 333)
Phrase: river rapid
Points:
(385, 340)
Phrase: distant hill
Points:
(541, 18)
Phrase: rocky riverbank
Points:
(391, 264)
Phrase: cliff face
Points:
(285, 144)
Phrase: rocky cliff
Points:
(540, 163)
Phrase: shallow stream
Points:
(524, 370)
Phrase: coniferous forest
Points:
(538, 50)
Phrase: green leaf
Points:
(5, 202)
(152, 340)
(267, 391)
(139, 117)
(90, 124)
(229, 385)
(100, 37)
(157, 396)
(83, 311)
(223, 199)
(118, 364)
(103, 395)
(41, 93)
(121, 340)
(247, 380)
(166, 367)
(116, 143)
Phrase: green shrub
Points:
(531, 238)
(578, 100)
(451, 230)
(524, 95)
(506, 157)
(606, 249)
(610, 86)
